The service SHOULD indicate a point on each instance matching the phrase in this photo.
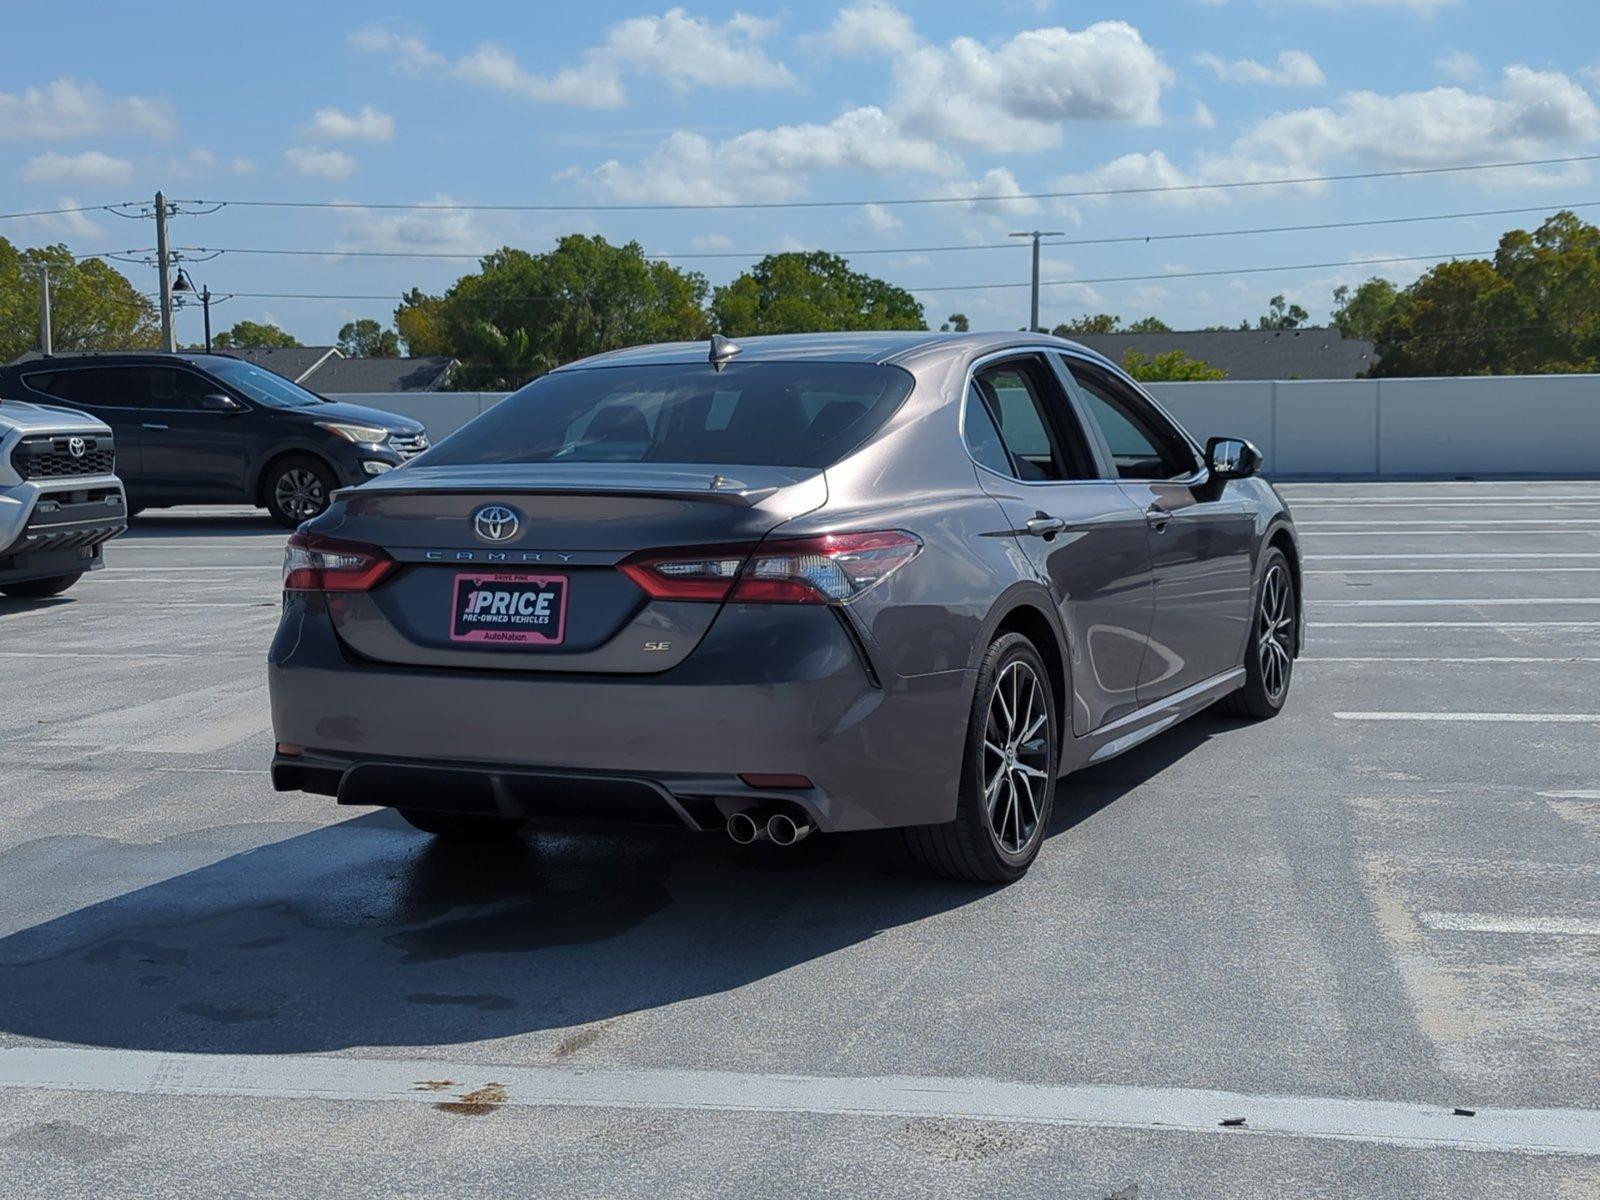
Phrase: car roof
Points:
(35, 360)
(866, 347)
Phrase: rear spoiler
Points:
(745, 497)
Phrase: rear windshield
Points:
(757, 414)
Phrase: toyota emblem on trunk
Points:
(496, 523)
(76, 448)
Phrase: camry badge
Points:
(496, 523)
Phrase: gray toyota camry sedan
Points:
(797, 584)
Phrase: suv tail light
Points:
(322, 564)
(832, 569)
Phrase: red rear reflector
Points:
(312, 563)
(775, 781)
(693, 573)
(290, 750)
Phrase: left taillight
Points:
(323, 564)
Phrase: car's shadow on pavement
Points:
(160, 524)
(365, 933)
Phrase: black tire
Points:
(464, 827)
(297, 488)
(40, 589)
(970, 847)
(1273, 625)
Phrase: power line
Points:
(1078, 194)
(57, 212)
(1364, 262)
(952, 287)
(1120, 239)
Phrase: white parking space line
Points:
(253, 654)
(1456, 522)
(1453, 554)
(1456, 625)
(1440, 531)
(1581, 794)
(1319, 658)
(1489, 923)
(1457, 571)
(1519, 718)
(1454, 601)
(1526, 1130)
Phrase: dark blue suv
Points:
(212, 429)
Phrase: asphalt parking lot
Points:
(1340, 925)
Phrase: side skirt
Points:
(1142, 724)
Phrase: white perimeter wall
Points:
(1523, 426)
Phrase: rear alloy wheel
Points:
(297, 490)
(1269, 660)
(40, 589)
(463, 827)
(1009, 776)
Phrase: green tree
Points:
(367, 339)
(92, 306)
(253, 335)
(1089, 323)
(420, 323)
(811, 292)
(1361, 313)
(1172, 366)
(1149, 325)
(1281, 315)
(1534, 309)
(523, 314)
(957, 323)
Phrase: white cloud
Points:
(440, 231)
(199, 161)
(66, 226)
(90, 167)
(69, 109)
(711, 241)
(1202, 118)
(242, 166)
(1534, 114)
(867, 28)
(335, 125)
(879, 220)
(768, 164)
(683, 50)
(1458, 67)
(1017, 95)
(320, 164)
(1295, 68)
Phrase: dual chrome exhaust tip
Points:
(749, 826)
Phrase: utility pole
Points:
(1036, 234)
(44, 307)
(205, 303)
(163, 259)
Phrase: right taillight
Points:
(323, 564)
(832, 569)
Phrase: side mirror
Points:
(1232, 458)
(218, 403)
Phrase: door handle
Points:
(152, 425)
(1044, 526)
(1157, 516)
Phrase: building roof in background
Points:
(423, 374)
(297, 363)
(1315, 353)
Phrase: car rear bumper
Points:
(770, 690)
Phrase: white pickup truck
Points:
(60, 498)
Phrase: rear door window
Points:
(1030, 414)
(92, 387)
(174, 388)
(794, 414)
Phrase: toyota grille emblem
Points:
(496, 523)
(76, 447)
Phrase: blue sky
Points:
(603, 103)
